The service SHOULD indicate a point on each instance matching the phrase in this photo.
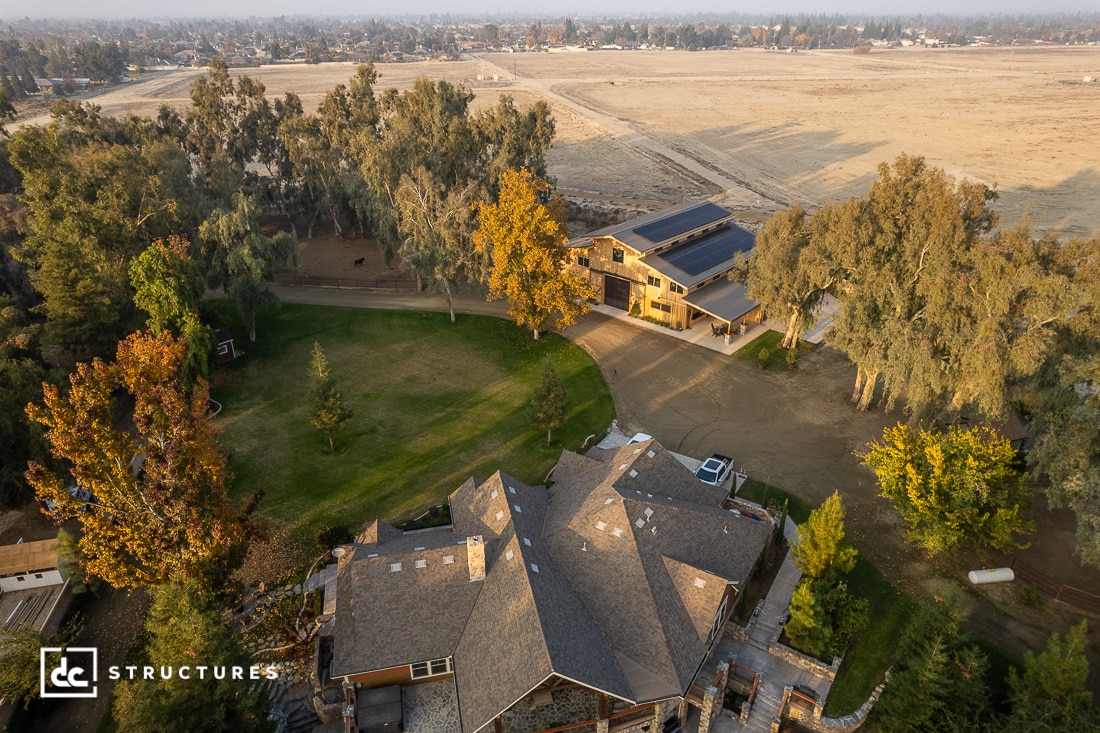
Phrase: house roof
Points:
(725, 299)
(650, 231)
(703, 258)
(27, 557)
(611, 578)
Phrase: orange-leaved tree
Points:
(145, 475)
(525, 239)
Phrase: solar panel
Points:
(713, 249)
(675, 225)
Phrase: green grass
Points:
(769, 340)
(871, 653)
(434, 403)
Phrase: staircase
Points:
(291, 707)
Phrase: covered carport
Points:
(728, 302)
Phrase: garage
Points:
(616, 292)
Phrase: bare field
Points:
(760, 130)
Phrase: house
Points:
(595, 601)
(672, 265)
(32, 591)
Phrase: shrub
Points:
(763, 356)
(330, 537)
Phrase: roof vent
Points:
(526, 541)
(534, 567)
(419, 549)
(640, 523)
(421, 564)
(394, 567)
(648, 512)
(653, 530)
(500, 515)
(617, 532)
(651, 454)
(637, 451)
(609, 501)
(518, 508)
(601, 526)
(509, 555)
(633, 473)
(512, 489)
(623, 467)
(494, 494)
(700, 583)
(373, 554)
(448, 559)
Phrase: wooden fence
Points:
(1080, 599)
(387, 283)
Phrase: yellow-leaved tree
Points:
(525, 239)
(145, 475)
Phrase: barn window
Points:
(617, 254)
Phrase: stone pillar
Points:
(601, 726)
(706, 712)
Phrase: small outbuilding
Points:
(225, 348)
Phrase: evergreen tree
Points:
(820, 550)
(1051, 694)
(328, 411)
(548, 403)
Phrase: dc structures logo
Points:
(69, 672)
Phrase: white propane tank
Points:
(991, 575)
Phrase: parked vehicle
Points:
(715, 470)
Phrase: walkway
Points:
(774, 673)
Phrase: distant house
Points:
(32, 591)
(672, 265)
(598, 600)
(224, 346)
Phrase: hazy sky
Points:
(10, 9)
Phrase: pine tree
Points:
(548, 403)
(328, 411)
(820, 550)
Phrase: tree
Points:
(437, 228)
(168, 285)
(185, 631)
(938, 681)
(548, 404)
(1052, 692)
(820, 550)
(242, 260)
(21, 375)
(525, 240)
(20, 658)
(7, 111)
(809, 627)
(952, 488)
(159, 507)
(328, 412)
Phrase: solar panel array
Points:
(713, 249)
(698, 216)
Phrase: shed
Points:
(226, 350)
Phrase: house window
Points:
(223, 349)
(582, 260)
(617, 254)
(431, 669)
(654, 281)
(665, 307)
(674, 288)
(719, 618)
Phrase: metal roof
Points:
(724, 299)
(658, 224)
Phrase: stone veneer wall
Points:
(845, 723)
(802, 661)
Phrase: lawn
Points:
(777, 357)
(772, 498)
(871, 653)
(434, 403)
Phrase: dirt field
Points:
(760, 130)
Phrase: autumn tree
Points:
(327, 411)
(436, 229)
(548, 404)
(242, 260)
(525, 241)
(958, 487)
(159, 507)
(184, 630)
(820, 550)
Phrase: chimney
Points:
(475, 553)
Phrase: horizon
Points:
(133, 10)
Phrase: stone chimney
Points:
(475, 552)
